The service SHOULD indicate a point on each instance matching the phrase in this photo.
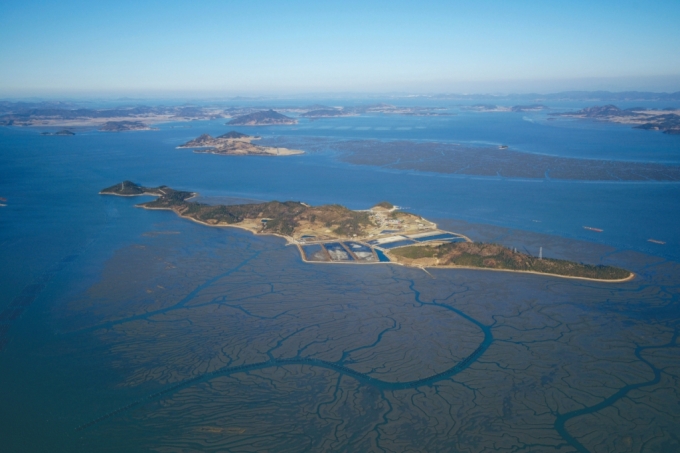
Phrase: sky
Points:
(286, 47)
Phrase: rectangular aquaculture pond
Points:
(381, 256)
(337, 252)
(391, 245)
(315, 252)
(361, 251)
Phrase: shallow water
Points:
(141, 331)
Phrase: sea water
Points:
(57, 228)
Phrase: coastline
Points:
(448, 266)
(130, 195)
(289, 240)
(283, 152)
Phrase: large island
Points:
(336, 234)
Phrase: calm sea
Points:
(56, 230)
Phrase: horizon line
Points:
(216, 95)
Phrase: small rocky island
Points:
(235, 143)
(64, 132)
(263, 118)
(123, 126)
(666, 120)
(384, 233)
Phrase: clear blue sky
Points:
(245, 47)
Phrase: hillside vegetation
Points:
(494, 256)
(283, 218)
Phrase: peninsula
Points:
(384, 233)
(262, 118)
(235, 143)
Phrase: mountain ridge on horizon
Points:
(24, 104)
(572, 95)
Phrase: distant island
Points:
(328, 113)
(235, 143)
(122, 126)
(70, 114)
(62, 132)
(666, 120)
(262, 118)
(60, 114)
(529, 108)
(385, 109)
(384, 233)
(596, 96)
(498, 108)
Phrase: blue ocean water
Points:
(54, 211)
(630, 213)
(529, 132)
(51, 183)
